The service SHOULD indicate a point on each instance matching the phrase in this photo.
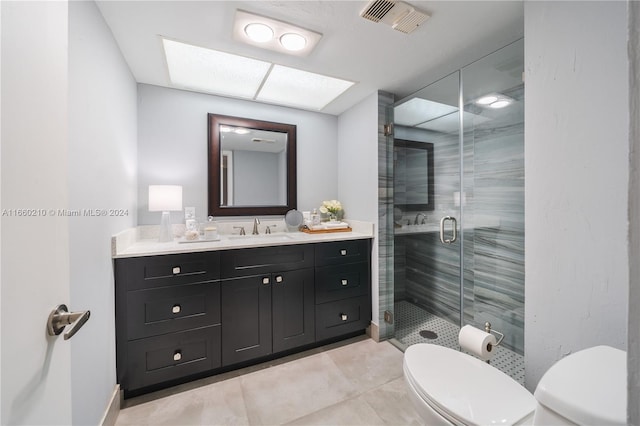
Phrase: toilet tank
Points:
(588, 387)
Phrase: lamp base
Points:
(165, 228)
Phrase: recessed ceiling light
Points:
(258, 32)
(293, 41)
(486, 100)
(499, 104)
(301, 42)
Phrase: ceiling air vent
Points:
(377, 9)
(398, 15)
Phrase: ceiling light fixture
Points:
(293, 41)
(260, 33)
(210, 71)
(499, 104)
(494, 100)
(486, 100)
(283, 36)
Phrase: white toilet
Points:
(449, 387)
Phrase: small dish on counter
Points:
(182, 240)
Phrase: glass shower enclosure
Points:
(458, 208)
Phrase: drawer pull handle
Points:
(344, 317)
(176, 270)
(265, 280)
(344, 282)
(177, 356)
(343, 252)
(279, 279)
(176, 309)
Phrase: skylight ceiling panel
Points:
(417, 110)
(301, 89)
(197, 68)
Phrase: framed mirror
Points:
(252, 167)
(413, 175)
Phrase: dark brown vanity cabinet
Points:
(183, 315)
(270, 311)
(342, 287)
(167, 317)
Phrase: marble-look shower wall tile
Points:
(385, 215)
(493, 235)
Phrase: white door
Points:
(35, 368)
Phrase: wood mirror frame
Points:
(214, 167)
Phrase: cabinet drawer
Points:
(254, 261)
(172, 356)
(341, 252)
(174, 269)
(343, 316)
(163, 310)
(342, 281)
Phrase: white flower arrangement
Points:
(332, 207)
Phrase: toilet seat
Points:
(441, 376)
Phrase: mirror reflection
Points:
(252, 166)
(413, 175)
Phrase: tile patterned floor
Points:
(411, 319)
(356, 382)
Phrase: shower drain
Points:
(428, 334)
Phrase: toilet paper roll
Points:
(477, 342)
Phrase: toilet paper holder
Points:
(487, 328)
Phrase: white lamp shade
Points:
(164, 198)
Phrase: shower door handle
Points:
(454, 235)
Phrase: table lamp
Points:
(165, 198)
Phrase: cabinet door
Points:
(293, 309)
(246, 318)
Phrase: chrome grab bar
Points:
(454, 235)
(60, 317)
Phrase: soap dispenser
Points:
(210, 229)
(315, 218)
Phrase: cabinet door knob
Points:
(343, 317)
(343, 252)
(344, 282)
(265, 280)
(279, 279)
(176, 309)
(177, 356)
(176, 270)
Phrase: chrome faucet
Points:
(256, 222)
(415, 222)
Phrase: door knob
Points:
(60, 317)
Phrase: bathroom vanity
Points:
(185, 311)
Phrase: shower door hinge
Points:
(388, 317)
(388, 129)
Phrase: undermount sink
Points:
(261, 237)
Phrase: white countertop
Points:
(135, 242)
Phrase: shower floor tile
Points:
(411, 319)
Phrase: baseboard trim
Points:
(373, 331)
(112, 410)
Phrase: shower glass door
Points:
(428, 215)
(458, 173)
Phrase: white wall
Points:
(172, 146)
(633, 347)
(102, 175)
(576, 174)
(358, 172)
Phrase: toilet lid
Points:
(588, 387)
(464, 389)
